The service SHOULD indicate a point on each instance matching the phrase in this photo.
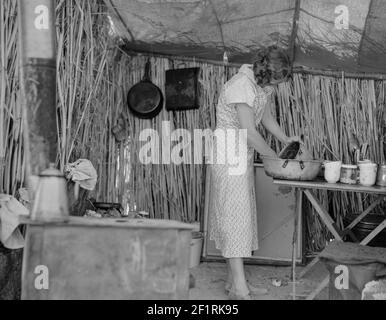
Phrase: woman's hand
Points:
(294, 139)
(272, 126)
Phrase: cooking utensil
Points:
(304, 170)
(181, 89)
(145, 99)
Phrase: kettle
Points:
(51, 200)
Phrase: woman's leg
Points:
(239, 283)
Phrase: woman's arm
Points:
(272, 126)
(246, 118)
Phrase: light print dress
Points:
(233, 216)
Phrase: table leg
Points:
(374, 233)
(297, 218)
(348, 230)
(319, 289)
(329, 222)
(371, 236)
(364, 214)
(324, 283)
(308, 267)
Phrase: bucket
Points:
(196, 249)
(332, 171)
(368, 174)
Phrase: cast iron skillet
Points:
(145, 99)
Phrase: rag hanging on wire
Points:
(83, 173)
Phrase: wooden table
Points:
(306, 188)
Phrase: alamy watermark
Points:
(181, 146)
(342, 18)
(42, 279)
(342, 279)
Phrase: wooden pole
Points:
(295, 27)
(297, 218)
(38, 83)
(296, 69)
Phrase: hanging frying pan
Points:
(145, 99)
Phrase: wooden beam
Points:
(364, 213)
(308, 267)
(340, 74)
(319, 289)
(297, 69)
(206, 209)
(374, 233)
(323, 214)
(323, 185)
(297, 218)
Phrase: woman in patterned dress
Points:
(242, 105)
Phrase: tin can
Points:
(381, 177)
(348, 174)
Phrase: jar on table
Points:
(368, 174)
(359, 163)
(381, 178)
(348, 174)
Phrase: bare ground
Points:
(210, 280)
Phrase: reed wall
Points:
(11, 144)
(94, 77)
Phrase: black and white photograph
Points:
(206, 152)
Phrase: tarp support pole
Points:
(295, 26)
(371, 3)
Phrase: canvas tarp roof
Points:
(206, 28)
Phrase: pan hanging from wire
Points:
(145, 100)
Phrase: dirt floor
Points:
(210, 280)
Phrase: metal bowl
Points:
(304, 170)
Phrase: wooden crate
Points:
(10, 273)
(114, 259)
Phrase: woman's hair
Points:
(271, 63)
